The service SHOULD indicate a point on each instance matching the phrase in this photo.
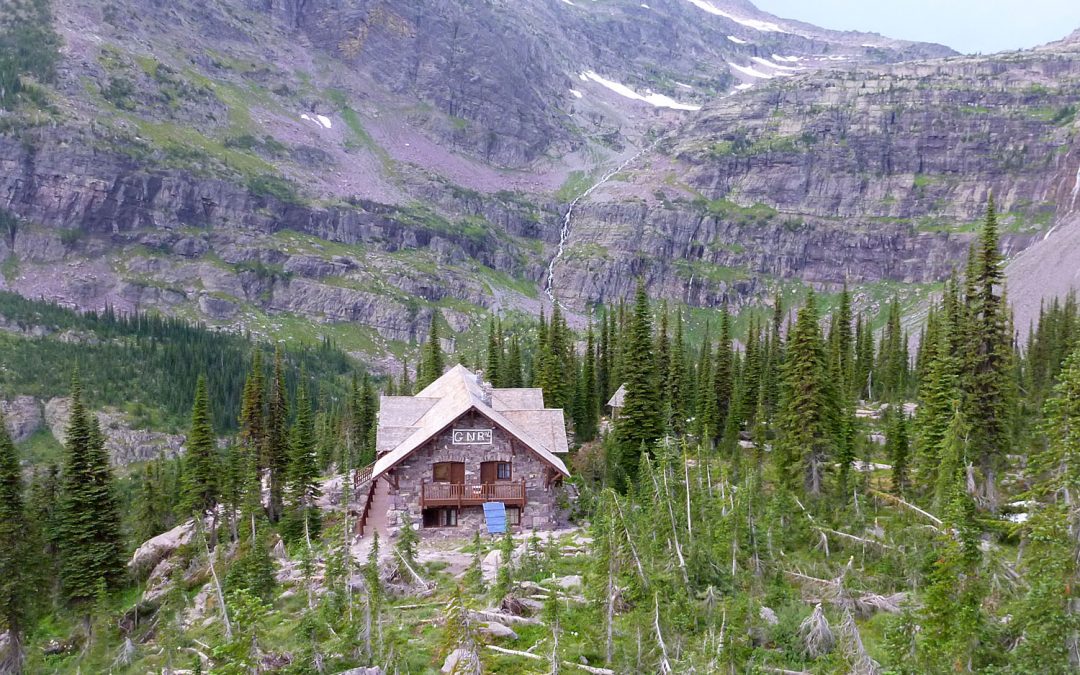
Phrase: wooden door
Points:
(457, 472)
(489, 472)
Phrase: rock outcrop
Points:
(125, 445)
(22, 417)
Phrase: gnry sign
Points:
(472, 437)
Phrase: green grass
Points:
(923, 180)
(10, 267)
(41, 448)
(729, 211)
(706, 271)
(501, 279)
(586, 251)
(188, 148)
(574, 186)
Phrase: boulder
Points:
(374, 670)
(570, 582)
(159, 583)
(498, 630)
(489, 566)
(156, 549)
(450, 665)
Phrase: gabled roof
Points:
(618, 399)
(410, 421)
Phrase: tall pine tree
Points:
(202, 485)
(15, 555)
(88, 521)
(639, 422)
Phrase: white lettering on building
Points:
(471, 437)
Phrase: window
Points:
(494, 471)
(513, 515)
(448, 472)
(440, 517)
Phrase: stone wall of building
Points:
(540, 511)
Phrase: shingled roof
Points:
(407, 422)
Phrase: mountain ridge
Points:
(240, 171)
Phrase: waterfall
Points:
(1075, 190)
(564, 233)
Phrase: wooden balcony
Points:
(432, 495)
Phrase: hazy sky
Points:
(965, 25)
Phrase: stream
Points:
(568, 219)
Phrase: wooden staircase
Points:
(376, 494)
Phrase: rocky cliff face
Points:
(308, 168)
(877, 174)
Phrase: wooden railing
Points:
(465, 494)
(367, 508)
(362, 477)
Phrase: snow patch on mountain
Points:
(756, 24)
(738, 41)
(322, 120)
(750, 71)
(770, 64)
(654, 99)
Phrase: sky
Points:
(968, 26)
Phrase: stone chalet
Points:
(458, 444)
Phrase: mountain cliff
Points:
(308, 167)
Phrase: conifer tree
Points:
(15, 555)
(554, 367)
(897, 448)
(248, 456)
(953, 455)
(1049, 612)
(511, 369)
(938, 398)
(677, 377)
(88, 522)
(705, 408)
(405, 387)
(951, 617)
(772, 373)
(253, 570)
(891, 368)
(603, 361)
(585, 426)
(723, 376)
(433, 363)
(363, 413)
(303, 473)
(989, 384)
(276, 446)
(202, 486)
(805, 417)
(640, 420)
(149, 519)
(750, 389)
(662, 352)
(252, 413)
(493, 372)
(843, 342)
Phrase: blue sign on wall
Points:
(495, 515)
